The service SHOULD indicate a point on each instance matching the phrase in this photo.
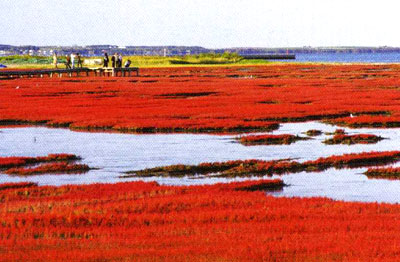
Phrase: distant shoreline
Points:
(98, 50)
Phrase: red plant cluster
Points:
(60, 168)
(356, 159)
(147, 222)
(384, 172)
(284, 139)
(53, 163)
(353, 139)
(207, 99)
(8, 162)
(259, 167)
(339, 132)
(5, 186)
(367, 121)
(313, 132)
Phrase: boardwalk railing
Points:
(122, 71)
(69, 72)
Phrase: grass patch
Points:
(208, 59)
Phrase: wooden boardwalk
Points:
(84, 71)
(121, 71)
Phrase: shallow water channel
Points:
(112, 154)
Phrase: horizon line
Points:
(212, 48)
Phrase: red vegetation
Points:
(214, 99)
(261, 168)
(313, 132)
(339, 132)
(147, 222)
(353, 139)
(16, 185)
(8, 162)
(367, 121)
(60, 168)
(285, 139)
(21, 165)
(355, 159)
(384, 172)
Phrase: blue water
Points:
(392, 57)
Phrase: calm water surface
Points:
(390, 57)
(114, 154)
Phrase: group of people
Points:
(116, 61)
(70, 60)
(70, 63)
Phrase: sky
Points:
(207, 23)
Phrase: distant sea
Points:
(393, 57)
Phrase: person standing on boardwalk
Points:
(113, 60)
(119, 63)
(78, 56)
(73, 60)
(105, 60)
(68, 62)
(55, 60)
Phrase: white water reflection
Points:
(348, 185)
(114, 153)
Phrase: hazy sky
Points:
(208, 23)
